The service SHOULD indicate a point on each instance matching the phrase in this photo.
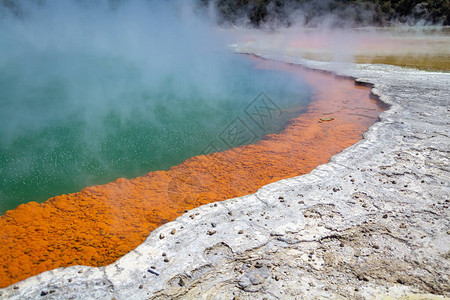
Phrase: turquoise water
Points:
(68, 120)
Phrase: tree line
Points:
(340, 12)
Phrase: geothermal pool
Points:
(99, 224)
(70, 120)
(107, 97)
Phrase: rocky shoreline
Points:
(373, 221)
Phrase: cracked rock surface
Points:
(373, 221)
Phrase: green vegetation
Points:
(336, 12)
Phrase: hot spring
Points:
(127, 114)
(91, 93)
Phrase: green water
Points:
(68, 121)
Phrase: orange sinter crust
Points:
(99, 224)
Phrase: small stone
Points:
(166, 259)
(385, 216)
(281, 197)
(402, 225)
(141, 286)
(341, 245)
(335, 190)
(277, 277)
(70, 280)
(16, 287)
(326, 119)
(145, 276)
(240, 231)
(376, 247)
(448, 231)
(44, 293)
(258, 265)
(173, 231)
(211, 232)
(213, 224)
(164, 254)
(153, 267)
(161, 236)
(185, 210)
(192, 217)
(301, 202)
